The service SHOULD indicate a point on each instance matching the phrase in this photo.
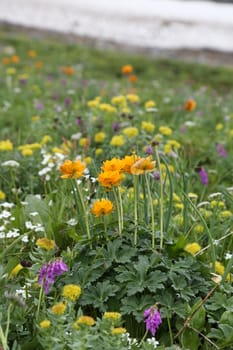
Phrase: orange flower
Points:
(127, 163)
(142, 165)
(132, 78)
(15, 59)
(71, 169)
(32, 53)
(127, 69)
(190, 105)
(68, 70)
(110, 178)
(112, 165)
(38, 64)
(5, 60)
(102, 207)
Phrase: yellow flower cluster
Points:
(192, 248)
(84, 320)
(6, 145)
(59, 309)
(45, 243)
(71, 292)
(112, 315)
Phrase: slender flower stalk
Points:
(161, 198)
(118, 211)
(135, 181)
(121, 208)
(84, 209)
(152, 212)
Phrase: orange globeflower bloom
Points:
(142, 165)
(15, 59)
(190, 105)
(110, 178)
(38, 64)
(72, 170)
(68, 70)
(5, 60)
(132, 78)
(32, 53)
(127, 69)
(102, 207)
(127, 162)
(112, 165)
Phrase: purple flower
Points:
(39, 106)
(67, 101)
(152, 319)
(156, 175)
(149, 150)
(221, 151)
(115, 126)
(203, 176)
(49, 271)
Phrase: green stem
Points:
(143, 338)
(170, 331)
(121, 208)
(135, 182)
(3, 339)
(8, 321)
(118, 211)
(40, 301)
(161, 198)
(152, 212)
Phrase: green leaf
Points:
(190, 340)
(37, 205)
(199, 318)
(227, 318)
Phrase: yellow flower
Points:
(193, 195)
(45, 324)
(59, 309)
(147, 126)
(112, 315)
(119, 330)
(130, 131)
(192, 248)
(219, 126)
(179, 220)
(225, 214)
(46, 139)
(87, 160)
(220, 269)
(10, 71)
(6, 145)
(167, 148)
(83, 142)
(176, 198)
(106, 107)
(179, 205)
(72, 170)
(2, 196)
(133, 98)
(149, 104)
(142, 166)
(35, 118)
(93, 103)
(85, 320)
(71, 292)
(198, 228)
(127, 69)
(27, 152)
(119, 101)
(190, 105)
(45, 243)
(174, 143)
(16, 270)
(102, 207)
(110, 178)
(98, 151)
(58, 150)
(165, 130)
(117, 141)
(99, 137)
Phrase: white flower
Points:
(228, 256)
(34, 213)
(7, 205)
(5, 214)
(72, 222)
(11, 163)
